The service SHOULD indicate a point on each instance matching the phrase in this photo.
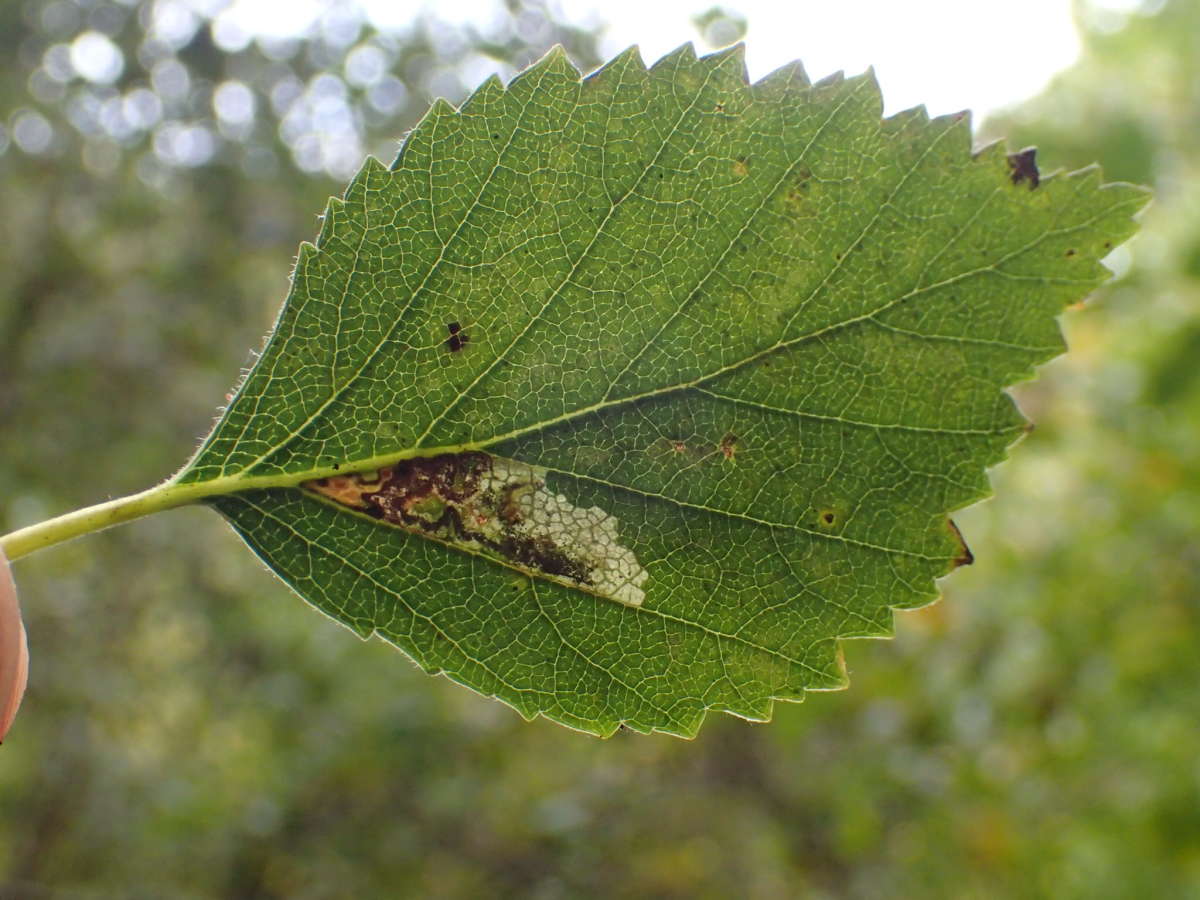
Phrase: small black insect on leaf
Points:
(458, 338)
(1024, 166)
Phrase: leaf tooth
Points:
(729, 65)
(682, 57)
(908, 120)
(1087, 178)
(957, 128)
(416, 142)
(555, 63)
(304, 258)
(960, 120)
(440, 109)
(874, 92)
(1136, 195)
(330, 221)
(831, 80)
(786, 76)
(372, 168)
(993, 153)
(735, 52)
(354, 195)
(490, 91)
(1128, 198)
(628, 59)
(867, 76)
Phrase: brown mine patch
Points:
(541, 554)
(965, 556)
(728, 446)
(502, 509)
(1023, 166)
(740, 167)
(426, 493)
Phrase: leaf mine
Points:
(502, 509)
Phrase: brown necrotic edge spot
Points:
(965, 556)
(1023, 166)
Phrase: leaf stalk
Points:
(173, 493)
(62, 528)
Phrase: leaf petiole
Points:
(173, 493)
(62, 528)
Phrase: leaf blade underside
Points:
(764, 328)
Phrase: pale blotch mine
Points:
(588, 536)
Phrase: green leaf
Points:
(656, 383)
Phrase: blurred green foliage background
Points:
(192, 730)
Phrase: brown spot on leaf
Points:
(965, 556)
(458, 338)
(728, 445)
(1024, 167)
(740, 167)
(795, 196)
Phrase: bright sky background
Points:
(948, 54)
